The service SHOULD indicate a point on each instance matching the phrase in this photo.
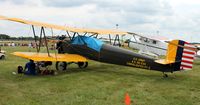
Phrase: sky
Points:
(173, 19)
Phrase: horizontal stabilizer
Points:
(164, 61)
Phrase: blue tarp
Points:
(89, 41)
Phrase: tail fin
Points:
(182, 53)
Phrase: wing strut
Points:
(69, 35)
(93, 34)
(135, 38)
(110, 39)
(40, 40)
(35, 38)
(74, 35)
(45, 39)
(42, 32)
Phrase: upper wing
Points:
(52, 57)
(58, 27)
(79, 30)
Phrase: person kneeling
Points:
(30, 68)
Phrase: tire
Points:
(165, 75)
(82, 64)
(61, 66)
(2, 57)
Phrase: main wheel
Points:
(61, 66)
(82, 64)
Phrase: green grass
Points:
(99, 84)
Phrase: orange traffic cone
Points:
(127, 99)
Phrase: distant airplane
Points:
(2, 54)
(149, 46)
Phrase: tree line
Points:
(8, 37)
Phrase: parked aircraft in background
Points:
(2, 54)
(154, 46)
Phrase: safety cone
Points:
(127, 99)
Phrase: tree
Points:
(4, 36)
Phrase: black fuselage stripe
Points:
(179, 55)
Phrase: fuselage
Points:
(116, 55)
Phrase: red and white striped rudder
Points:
(188, 56)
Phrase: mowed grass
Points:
(99, 84)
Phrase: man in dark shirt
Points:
(30, 68)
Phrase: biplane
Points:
(149, 46)
(82, 44)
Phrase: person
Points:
(13, 44)
(30, 68)
(59, 47)
(30, 45)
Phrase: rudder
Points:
(182, 53)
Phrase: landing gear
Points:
(165, 75)
(61, 66)
(2, 57)
(82, 64)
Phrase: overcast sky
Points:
(174, 19)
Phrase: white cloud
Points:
(173, 18)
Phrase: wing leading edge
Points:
(58, 27)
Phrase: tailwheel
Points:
(165, 75)
(82, 64)
(2, 57)
(61, 66)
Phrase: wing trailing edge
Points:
(52, 57)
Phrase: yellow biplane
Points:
(79, 48)
(38, 56)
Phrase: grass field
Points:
(99, 84)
